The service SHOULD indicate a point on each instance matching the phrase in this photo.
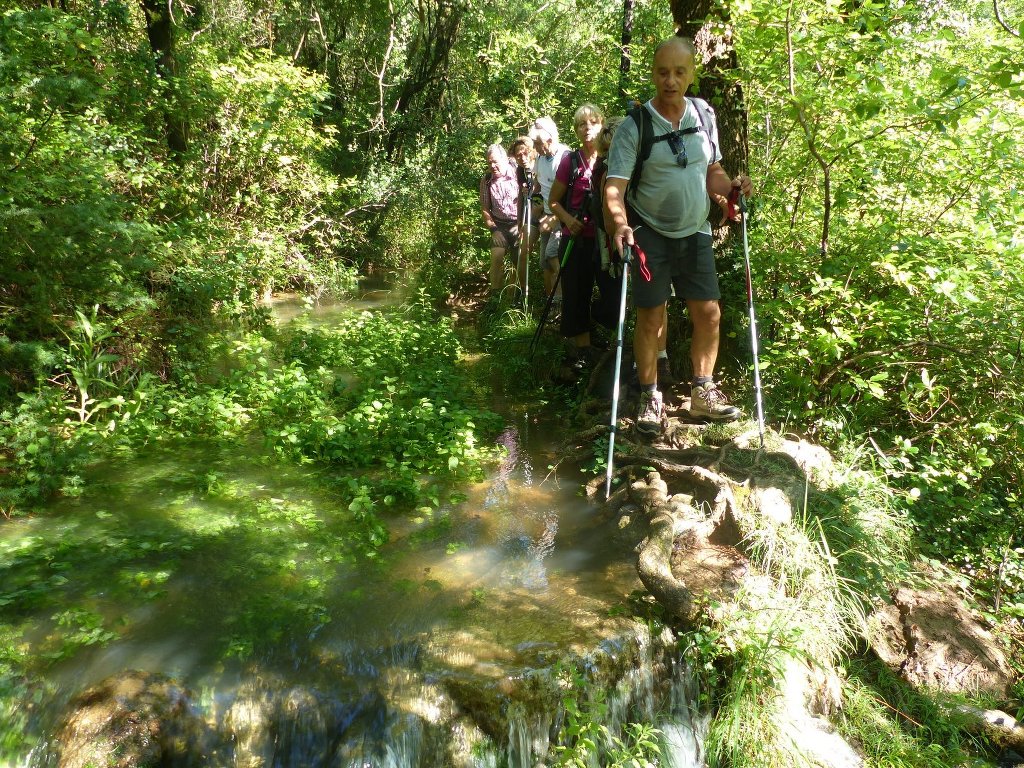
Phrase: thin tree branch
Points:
(796, 205)
(380, 121)
(298, 48)
(952, 202)
(888, 352)
(35, 140)
(999, 18)
(893, 127)
(809, 135)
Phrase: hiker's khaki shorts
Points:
(549, 243)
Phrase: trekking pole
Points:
(551, 296)
(753, 322)
(527, 216)
(627, 253)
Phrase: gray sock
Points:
(700, 381)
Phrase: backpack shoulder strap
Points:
(705, 113)
(575, 166)
(706, 118)
(645, 131)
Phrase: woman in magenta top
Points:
(571, 203)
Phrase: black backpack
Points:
(597, 180)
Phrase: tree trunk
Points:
(626, 60)
(160, 29)
(715, 58)
(429, 57)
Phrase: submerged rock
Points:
(273, 723)
(133, 719)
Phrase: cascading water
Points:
(450, 649)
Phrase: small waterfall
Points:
(454, 653)
(641, 680)
(404, 744)
(657, 688)
(528, 736)
(683, 728)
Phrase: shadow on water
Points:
(243, 580)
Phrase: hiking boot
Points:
(708, 402)
(584, 357)
(648, 416)
(665, 372)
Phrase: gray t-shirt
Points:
(671, 199)
(546, 167)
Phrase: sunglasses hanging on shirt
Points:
(675, 143)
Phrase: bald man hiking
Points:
(664, 170)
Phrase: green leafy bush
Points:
(70, 236)
(886, 261)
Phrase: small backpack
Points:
(597, 179)
(597, 185)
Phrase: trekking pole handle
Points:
(627, 253)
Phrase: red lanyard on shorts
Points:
(642, 258)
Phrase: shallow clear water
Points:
(238, 577)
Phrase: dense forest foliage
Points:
(165, 166)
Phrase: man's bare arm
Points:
(616, 222)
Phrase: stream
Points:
(453, 646)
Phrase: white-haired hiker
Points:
(499, 204)
(549, 154)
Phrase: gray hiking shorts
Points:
(687, 263)
(549, 247)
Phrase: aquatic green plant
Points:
(380, 395)
(89, 366)
(585, 738)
